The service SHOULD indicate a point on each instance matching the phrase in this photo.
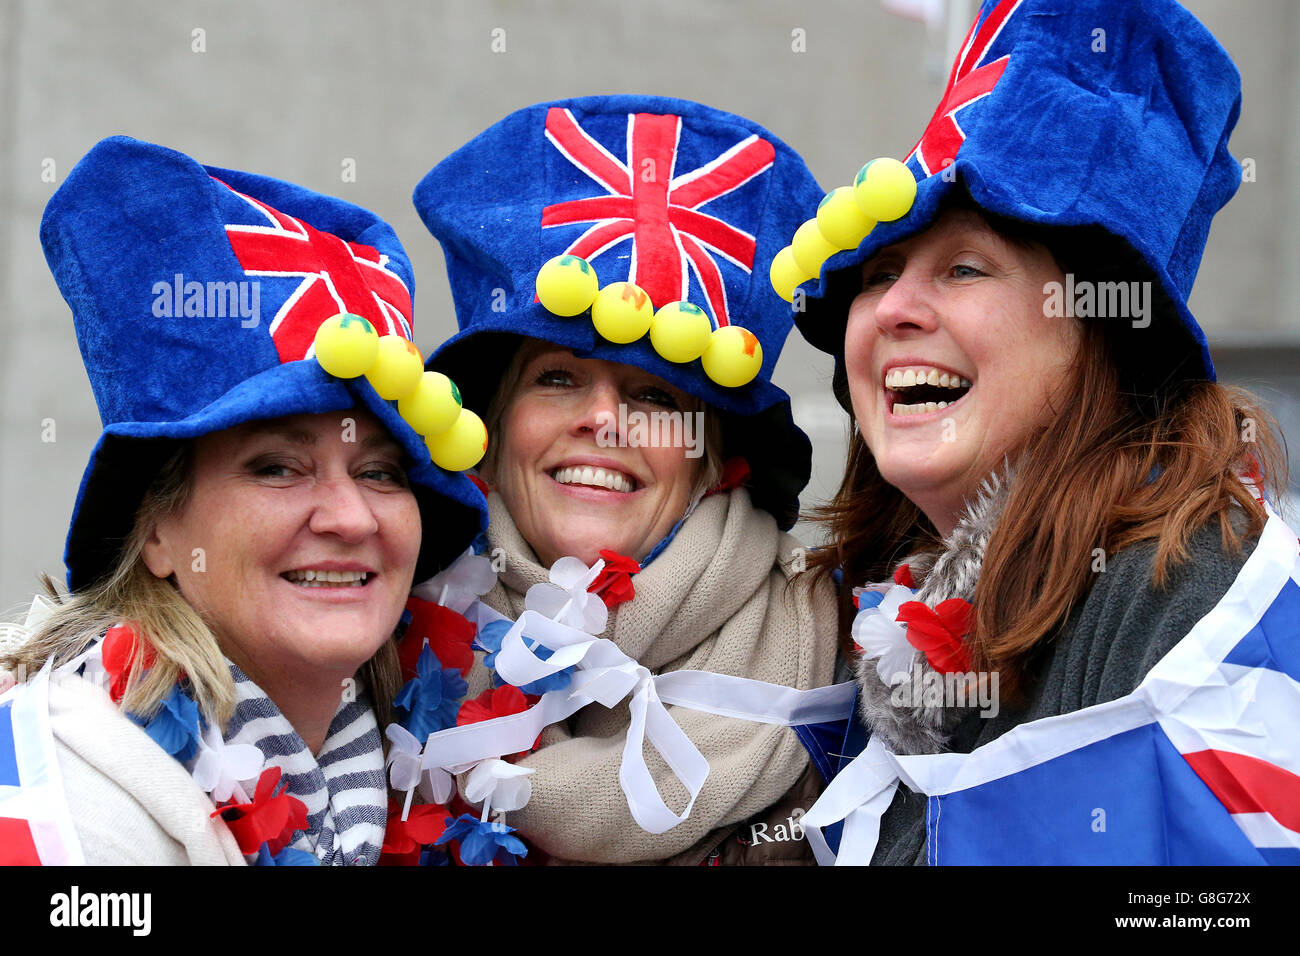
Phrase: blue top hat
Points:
(688, 203)
(196, 294)
(1076, 113)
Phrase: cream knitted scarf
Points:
(725, 596)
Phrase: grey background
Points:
(293, 89)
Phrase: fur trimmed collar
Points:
(909, 722)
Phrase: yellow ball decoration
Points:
(622, 312)
(680, 332)
(786, 274)
(884, 189)
(811, 248)
(733, 357)
(346, 345)
(397, 368)
(841, 221)
(567, 285)
(434, 405)
(462, 445)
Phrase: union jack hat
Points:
(196, 294)
(687, 202)
(1107, 114)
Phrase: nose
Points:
(342, 509)
(598, 412)
(907, 305)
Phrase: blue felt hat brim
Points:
(824, 317)
(127, 457)
(1111, 117)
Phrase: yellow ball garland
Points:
(841, 221)
(346, 345)
(567, 285)
(786, 274)
(434, 405)
(397, 368)
(622, 312)
(734, 356)
(884, 189)
(462, 445)
(680, 332)
(811, 248)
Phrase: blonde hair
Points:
(162, 620)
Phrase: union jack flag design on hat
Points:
(1075, 113)
(135, 230)
(967, 82)
(337, 276)
(687, 202)
(647, 200)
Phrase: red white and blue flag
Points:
(970, 80)
(1199, 765)
(641, 196)
(336, 276)
(35, 825)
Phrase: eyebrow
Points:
(301, 436)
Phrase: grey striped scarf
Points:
(344, 787)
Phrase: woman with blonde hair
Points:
(213, 686)
(608, 258)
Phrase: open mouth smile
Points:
(919, 389)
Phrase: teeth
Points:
(906, 378)
(920, 408)
(312, 578)
(594, 477)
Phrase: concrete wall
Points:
(292, 89)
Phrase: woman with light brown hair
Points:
(216, 684)
(1065, 510)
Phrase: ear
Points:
(157, 554)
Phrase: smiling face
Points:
(572, 482)
(951, 361)
(309, 542)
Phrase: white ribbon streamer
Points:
(605, 675)
(859, 795)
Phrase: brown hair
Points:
(1116, 466)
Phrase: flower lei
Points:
(436, 651)
(891, 626)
